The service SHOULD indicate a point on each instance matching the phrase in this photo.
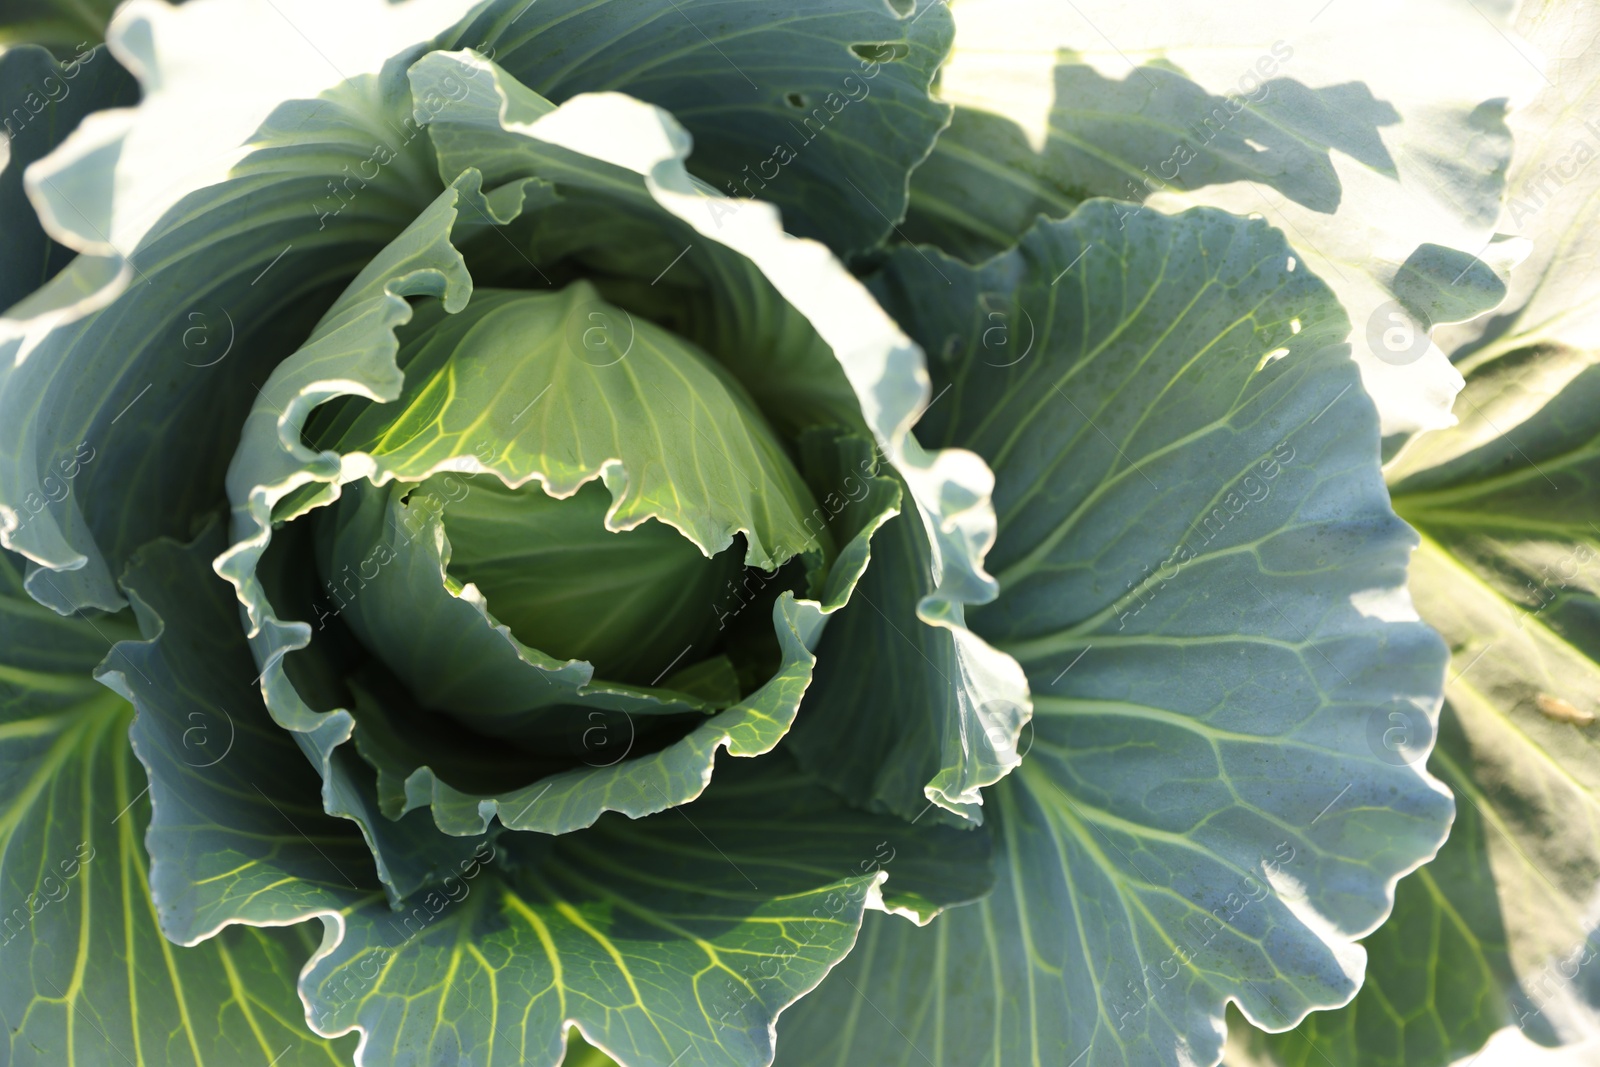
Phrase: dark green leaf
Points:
(673, 937)
(89, 980)
(1500, 929)
(1438, 971)
(1439, 285)
(1201, 574)
(175, 359)
(63, 26)
(1357, 154)
(821, 109)
(896, 719)
(41, 101)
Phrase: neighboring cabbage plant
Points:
(635, 512)
(1500, 930)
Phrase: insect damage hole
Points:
(880, 51)
(1272, 357)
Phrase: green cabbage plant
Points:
(716, 532)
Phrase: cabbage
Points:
(540, 530)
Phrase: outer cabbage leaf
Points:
(64, 26)
(673, 939)
(920, 740)
(1507, 573)
(89, 979)
(1500, 930)
(41, 101)
(983, 185)
(1336, 128)
(1438, 971)
(232, 793)
(822, 110)
(162, 198)
(678, 938)
(1202, 577)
